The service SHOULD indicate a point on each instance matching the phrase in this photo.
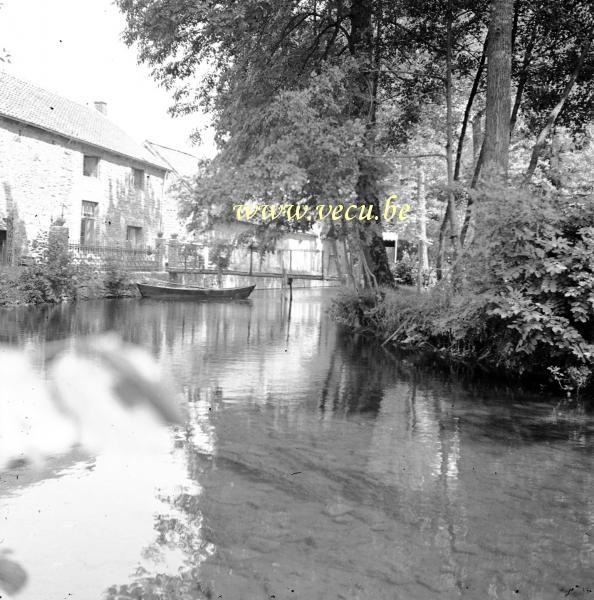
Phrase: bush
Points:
(51, 278)
(405, 270)
(48, 281)
(219, 255)
(34, 286)
(8, 286)
(534, 267)
(116, 280)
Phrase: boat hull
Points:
(163, 292)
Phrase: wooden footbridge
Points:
(272, 274)
(287, 265)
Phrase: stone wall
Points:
(41, 179)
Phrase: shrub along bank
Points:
(55, 277)
(522, 302)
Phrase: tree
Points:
(310, 98)
(448, 31)
(262, 56)
(498, 101)
(554, 114)
(308, 152)
(367, 51)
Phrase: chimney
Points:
(101, 107)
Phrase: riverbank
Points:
(519, 302)
(468, 331)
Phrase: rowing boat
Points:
(176, 291)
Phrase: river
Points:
(314, 466)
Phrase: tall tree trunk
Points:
(550, 122)
(555, 161)
(473, 184)
(441, 246)
(452, 216)
(366, 52)
(377, 61)
(494, 155)
(422, 225)
(477, 135)
(473, 91)
(478, 153)
(515, 21)
(498, 106)
(523, 77)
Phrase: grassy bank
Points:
(520, 302)
(465, 331)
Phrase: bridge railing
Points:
(248, 260)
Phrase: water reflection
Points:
(313, 465)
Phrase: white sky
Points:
(74, 48)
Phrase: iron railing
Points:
(125, 257)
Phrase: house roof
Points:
(31, 105)
(182, 163)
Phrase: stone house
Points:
(62, 161)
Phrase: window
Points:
(91, 166)
(88, 224)
(134, 236)
(138, 179)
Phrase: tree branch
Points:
(541, 140)
(473, 91)
(522, 79)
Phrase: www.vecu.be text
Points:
(321, 212)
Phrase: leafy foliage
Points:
(51, 278)
(405, 271)
(54, 275)
(528, 305)
(558, 31)
(8, 286)
(292, 91)
(535, 265)
(220, 255)
(116, 280)
(306, 154)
